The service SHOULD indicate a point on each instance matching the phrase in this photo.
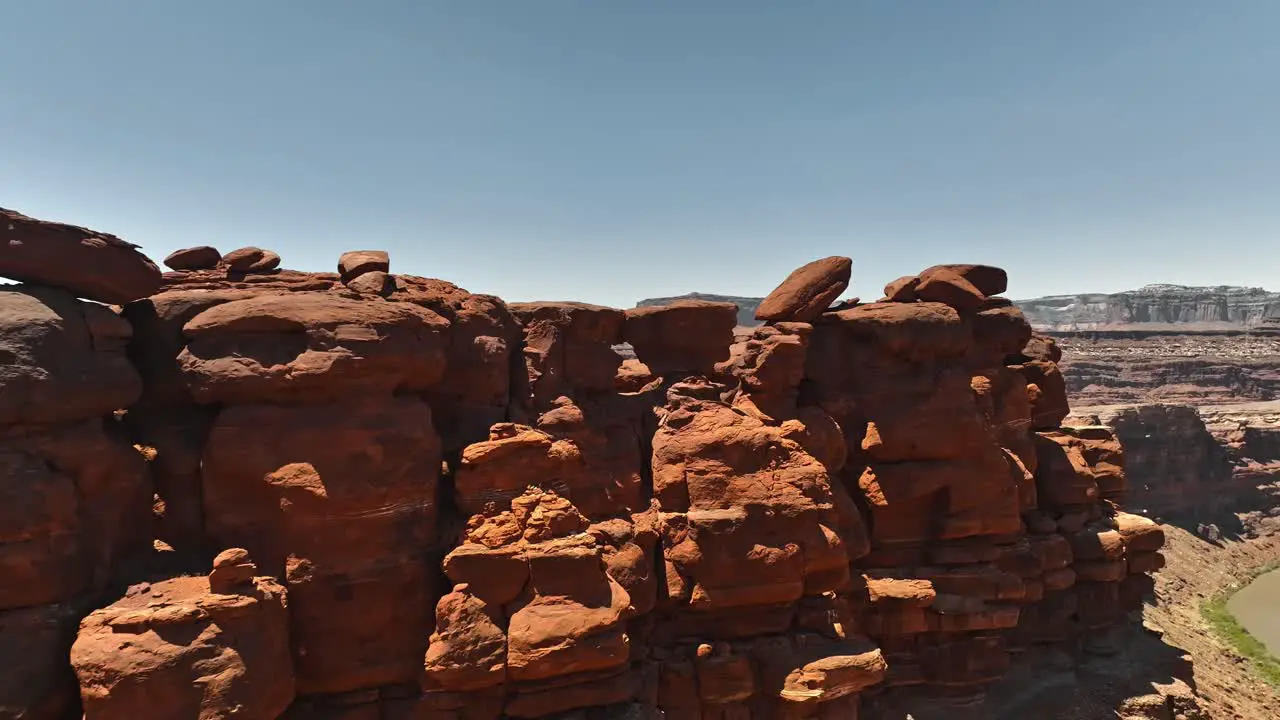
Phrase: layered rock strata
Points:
(458, 508)
(1196, 464)
(74, 493)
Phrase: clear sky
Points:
(609, 150)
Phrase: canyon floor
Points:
(1198, 570)
(1221, 523)
(1168, 664)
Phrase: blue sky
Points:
(608, 151)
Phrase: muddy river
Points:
(1257, 607)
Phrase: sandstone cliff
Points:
(1196, 464)
(1220, 307)
(1110, 368)
(374, 495)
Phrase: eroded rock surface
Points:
(394, 499)
(189, 647)
(88, 264)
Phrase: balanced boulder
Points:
(89, 264)
(202, 257)
(251, 259)
(807, 292)
(358, 262)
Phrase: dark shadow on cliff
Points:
(1096, 678)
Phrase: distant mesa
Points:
(1221, 307)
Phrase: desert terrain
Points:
(234, 490)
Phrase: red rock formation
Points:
(202, 257)
(807, 292)
(250, 260)
(74, 495)
(189, 647)
(478, 511)
(84, 262)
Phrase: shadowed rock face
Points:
(1196, 464)
(425, 503)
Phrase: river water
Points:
(1257, 607)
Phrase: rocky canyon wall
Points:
(1196, 465)
(255, 493)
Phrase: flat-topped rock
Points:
(88, 264)
(358, 262)
(687, 335)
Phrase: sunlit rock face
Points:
(364, 494)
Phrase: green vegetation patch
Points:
(1225, 625)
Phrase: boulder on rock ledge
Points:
(89, 264)
(807, 292)
(202, 257)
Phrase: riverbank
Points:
(1236, 613)
(1199, 573)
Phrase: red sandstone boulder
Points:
(61, 359)
(987, 279)
(176, 649)
(999, 331)
(912, 331)
(372, 283)
(807, 292)
(686, 336)
(310, 348)
(86, 263)
(358, 262)
(561, 641)
(902, 290)
(202, 257)
(1001, 394)
(1141, 535)
(633, 376)
(1103, 453)
(250, 260)
(940, 284)
(596, 465)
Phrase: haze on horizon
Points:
(608, 152)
